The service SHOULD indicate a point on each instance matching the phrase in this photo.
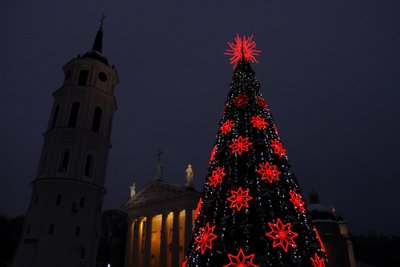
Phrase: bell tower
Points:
(63, 219)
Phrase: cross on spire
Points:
(159, 164)
(102, 20)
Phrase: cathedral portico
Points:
(161, 218)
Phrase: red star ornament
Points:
(241, 100)
(205, 238)
(184, 263)
(297, 201)
(240, 145)
(259, 122)
(197, 212)
(317, 261)
(282, 235)
(240, 260)
(216, 176)
(261, 102)
(239, 198)
(278, 148)
(226, 126)
(319, 239)
(269, 172)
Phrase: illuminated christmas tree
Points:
(252, 212)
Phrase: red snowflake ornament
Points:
(269, 172)
(239, 198)
(261, 102)
(278, 148)
(226, 126)
(319, 239)
(242, 48)
(240, 260)
(197, 212)
(297, 201)
(258, 122)
(240, 145)
(216, 176)
(282, 235)
(241, 100)
(205, 238)
(317, 261)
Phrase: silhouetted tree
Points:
(112, 243)
(10, 230)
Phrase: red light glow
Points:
(297, 201)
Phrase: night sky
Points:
(329, 70)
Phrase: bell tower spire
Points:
(98, 41)
(62, 223)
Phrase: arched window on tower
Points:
(55, 114)
(98, 112)
(89, 166)
(63, 165)
(73, 116)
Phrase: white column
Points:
(129, 243)
(147, 246)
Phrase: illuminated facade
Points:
(159, 227)
(62, 223)
(161, 217)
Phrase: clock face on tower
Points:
(102, 76)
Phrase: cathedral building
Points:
(61, 227)
(161, 216)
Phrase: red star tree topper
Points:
(297, 201)
(226, 127)
(319, 239)
(216, 176)
(242, 48)
(199, 204)
(239, 198)
(241, 100)
(258, 122)
(205, 238)
(240, 260)
(269, 172)
(240, 145)
(278, 148)
(317, 261)
(282, 235)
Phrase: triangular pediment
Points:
(154, 192)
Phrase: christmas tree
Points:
(252, 212)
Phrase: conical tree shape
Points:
(251, 213)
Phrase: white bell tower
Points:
(62, 223)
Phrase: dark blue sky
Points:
(329, 70)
